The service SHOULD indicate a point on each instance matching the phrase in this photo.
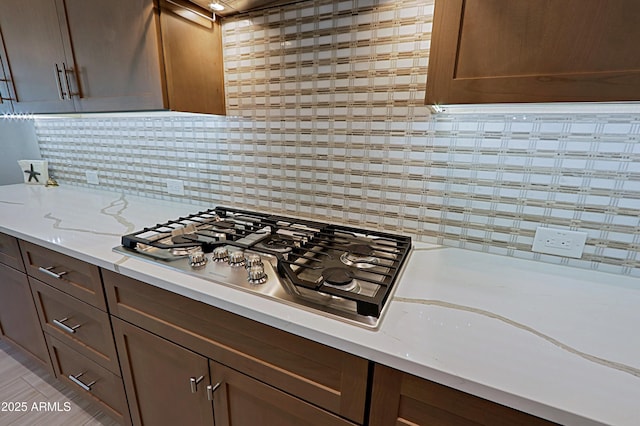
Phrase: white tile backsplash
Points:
(340, 132)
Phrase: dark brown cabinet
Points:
(87, 56)
(301, 379)
(241, 400)
(92, 381)
(166, 383)
(402, 399)
(71, 310)
(18, 317)
(492, 51)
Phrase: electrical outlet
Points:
(175, 187)
(559, 242)
(92, 177)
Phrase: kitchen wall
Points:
(327, 120)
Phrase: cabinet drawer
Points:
(73, 276)
(90, 380)
(77, 324)
(323, 376)
(10, 252)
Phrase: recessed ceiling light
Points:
(216, 6)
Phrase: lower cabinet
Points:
(283, 377)
(400, 398)
(18, 318)
(241, 400)
(165, 383)
(202, 391)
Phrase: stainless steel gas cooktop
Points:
(342, 272)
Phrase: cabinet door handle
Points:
(76, 379)
(65, 327)
(66, 72)
(211, 390)
(49, 272)
(193, 382)
(2, 98)
(56, 73)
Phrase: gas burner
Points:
(359, 256)
(277, 243)
(183, 239)
(339, 277)
(185, 251)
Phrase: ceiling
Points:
(238, 6)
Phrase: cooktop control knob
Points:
(220, 254)
(197, 259)
(257, 275)
(236, 258)
(253, 260)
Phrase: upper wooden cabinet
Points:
(492, 51)
(120, 55)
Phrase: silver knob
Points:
(220, 254)
(236, 258)
(257, 275)
(197, 259)
(253, 260)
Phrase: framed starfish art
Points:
(35, 171)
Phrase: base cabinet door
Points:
(399, 398)
(18, 318)
(166, 384)
(240, 400)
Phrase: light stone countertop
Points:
(554, 341)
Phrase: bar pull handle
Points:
(65, 327)
(66, 72)
(49, 272)
(211, 389)
(56, 73)
(2, 98)
(193, 382)
(76, 379)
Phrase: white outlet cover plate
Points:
(559, 242)
(92, 177)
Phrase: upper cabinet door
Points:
(116, 49)
(35, 56)
(492, 51)
(6, 104)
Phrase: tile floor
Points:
(25, 382)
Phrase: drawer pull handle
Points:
(65, 327)
(76, 379)
(193, 382)
(49, 272)
(211, 390)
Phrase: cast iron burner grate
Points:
(379, 259)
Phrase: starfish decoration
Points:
(32, 174)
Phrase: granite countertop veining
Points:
(554, 341)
